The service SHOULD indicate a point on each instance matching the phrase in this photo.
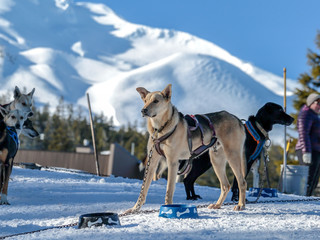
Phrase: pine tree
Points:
(310, 82)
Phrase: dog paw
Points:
(4, 200)
(239, 208)
(130, 211)
(196, 197)
(214, 206)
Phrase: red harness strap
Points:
(157, 141)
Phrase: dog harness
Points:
(194, 127)
(13, 134)
(260, 142)
(157, 141)
(193, 124)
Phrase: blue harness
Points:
(257, 138)
(13, 134)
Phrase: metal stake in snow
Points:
(284, 182)
(93, 137)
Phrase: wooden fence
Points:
(118, 163)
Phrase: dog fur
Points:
(8, 147)
(163, 118)
(267, 116)
(23, 102)
(28, 130)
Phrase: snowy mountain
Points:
(64, 48)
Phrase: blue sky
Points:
(270, 34)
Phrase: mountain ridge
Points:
(69, 49)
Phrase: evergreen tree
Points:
(66, 128)
(310, 82)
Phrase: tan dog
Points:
(165, 120)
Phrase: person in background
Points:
(308, 145)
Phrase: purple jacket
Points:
(308, 125)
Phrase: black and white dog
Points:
(10, 128)
(257, 128)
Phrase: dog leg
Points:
(179, 178)
(187, 188)
(237, 170)
(4, 200)
(162, 166)
(218, 161)
(172, 173)
(255, 172)
(4, 190)
(2, 175)
(154, 161)
(235, 191)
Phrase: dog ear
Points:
(16, 93)
(167, 92)
(3, 111)
(32, 92)
(143, 92)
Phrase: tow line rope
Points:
(154, 211)
(40, 230)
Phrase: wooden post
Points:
(93, 137)
(284, 176)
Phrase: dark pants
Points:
(314, 170)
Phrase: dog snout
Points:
(144, 111)
(18, 126)
(290, 121)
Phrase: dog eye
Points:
(21, 118)
(13, 117)
(24, 104)
(155, 101)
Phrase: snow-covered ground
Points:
(42, 199)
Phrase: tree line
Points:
(68, 126)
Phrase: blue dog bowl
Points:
(178, 211)
(266, 192)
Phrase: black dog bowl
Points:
(98, 219)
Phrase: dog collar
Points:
(166, 123)
(260, 142)
(264, 132)
(157, 140)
